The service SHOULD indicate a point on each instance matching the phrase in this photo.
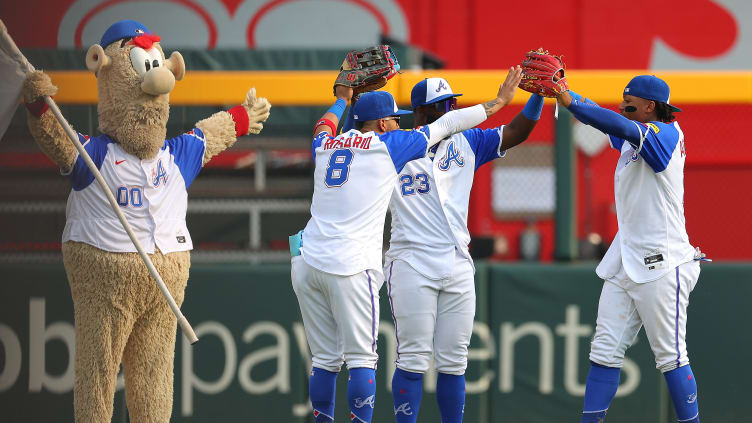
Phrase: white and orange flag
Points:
(13, 66)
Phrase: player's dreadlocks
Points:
(664, 112)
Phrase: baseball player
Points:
(429, 272)
(336, 273)
(651, 267)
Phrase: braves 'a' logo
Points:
(441, 86)
(404, 408)
(159, 175)
(360, 403)
(452, 155)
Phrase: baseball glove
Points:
(368, 69)
(543, 74)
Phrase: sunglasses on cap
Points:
(394, 118)
(446, 105)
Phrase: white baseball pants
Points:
(432, 317)
(340, 315)
(660, 306)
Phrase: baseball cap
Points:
(122, 29)
(431, 90)
(376, 105)
(650, 87)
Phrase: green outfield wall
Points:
(528, 357)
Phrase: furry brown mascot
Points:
(120, 314)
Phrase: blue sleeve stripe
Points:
(188, 151)
(404, 146)
(500, 152)
(615, 142)
(657, 148)
(425, 131)
(84, 140)
(485, 143)
(317, 140)
(80, 175)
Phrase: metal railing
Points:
(253, 208)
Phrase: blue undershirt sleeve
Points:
(581, 99)
(605, 120)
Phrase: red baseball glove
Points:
(543, 74)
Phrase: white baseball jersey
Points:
(353, 179)
(649, 195)
(430, 201)
(151, 193)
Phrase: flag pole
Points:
(7, 45)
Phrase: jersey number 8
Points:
(338, 169)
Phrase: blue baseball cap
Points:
(122, 29)
(429, 91)
(650, 87)
(376, 105)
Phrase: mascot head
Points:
(134, 81)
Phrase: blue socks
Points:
(407, 390)
(683, 390)
(602, 383)
(361, 394)
(450, 394)
(322, 387)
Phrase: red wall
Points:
(488, 34)
(592, 34)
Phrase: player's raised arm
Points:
(463, 119)
(517, 131)
(506, 91)
(329, 121)
(600, 118)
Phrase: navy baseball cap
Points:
(429, 91)
(650, 87)
(122, 29)
(376, 105)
